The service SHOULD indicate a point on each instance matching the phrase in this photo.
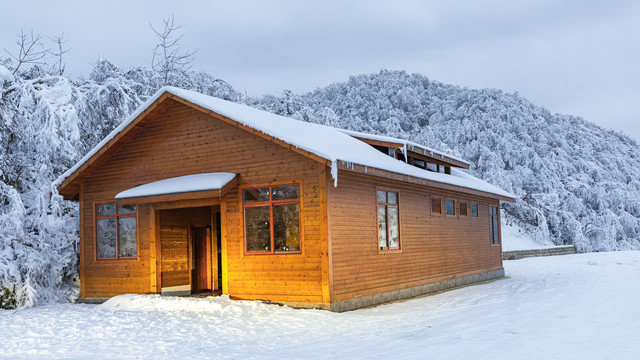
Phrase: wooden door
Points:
(201, 278)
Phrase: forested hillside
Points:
(575, 182)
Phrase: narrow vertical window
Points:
(388, 222)
(272, 219)
(451, 207)
(116, 231)
(474, 210)
(436, 206)
(493, 223)
(463, 208)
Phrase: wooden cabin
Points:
(193, 194)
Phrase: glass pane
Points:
(382, 196)
(432, 167)
(392, 198)
(126, 209)
(285, 192)
(286, 227)
(474, 210)
(451, 207)
(495, 229)
(418, 163)
(256, 195)
(107, 238)
(441, 169)
(127, 244)
(258, 227)
(106, 209)
(394, 241)
(382, 226)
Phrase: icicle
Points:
(404, 152)
(334, 172)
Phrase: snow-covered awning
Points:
(180, 184)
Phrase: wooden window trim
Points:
(432, 198)
(116, 216)
(270, 203)
(466, 206)
(387, 249)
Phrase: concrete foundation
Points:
(381, 298)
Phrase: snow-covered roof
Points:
(326, 142)
(407, 144)
(180, 184)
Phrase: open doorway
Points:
(201, 280)
(190, 256)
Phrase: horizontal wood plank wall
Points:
(175, 242)
(433, 247)
(182, 141)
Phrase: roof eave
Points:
(367, 170)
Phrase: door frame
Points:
(155, 243)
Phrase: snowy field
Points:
(584, 306)
(514, 238)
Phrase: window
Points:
(436, 206)
(116, 232)
(272, 219)
(432, 167)
(463, 209)
(388, 233)
(493, 219)
(451, 207)
(419, 163)
(474, 210)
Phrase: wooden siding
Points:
(182, 141)
(433, 247)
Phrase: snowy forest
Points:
(576, 183)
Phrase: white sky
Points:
(576, 57)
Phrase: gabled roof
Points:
(323, 143)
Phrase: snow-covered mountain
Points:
(576, 182)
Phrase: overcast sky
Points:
(576, 57)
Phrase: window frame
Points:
(438, 199)
(466, 209)
(270, 203)
(494, 228)
(446, 212)
(471, 210)
(387, 249)
(115, 216)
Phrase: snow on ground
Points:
(581, 306)
(514, 238)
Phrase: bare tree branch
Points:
(59, 66)
(167, 56)
(30, 50)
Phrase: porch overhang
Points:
(188, 187)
